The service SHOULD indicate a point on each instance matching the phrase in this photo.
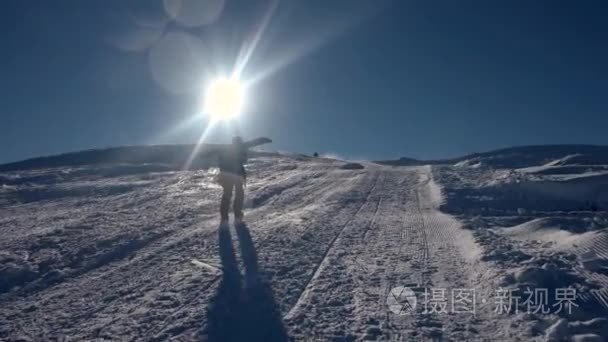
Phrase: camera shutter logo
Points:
(401, 300)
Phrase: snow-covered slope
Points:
(541, 216)
(521, 156)
(129, 249)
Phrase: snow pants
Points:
(230, 182)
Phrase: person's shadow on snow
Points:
(237, 312)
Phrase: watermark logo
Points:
(401, 300)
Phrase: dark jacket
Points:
(233, 160)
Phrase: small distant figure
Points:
(315, 155)
(232, 176)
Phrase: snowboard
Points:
(216, 148)
(257, 142)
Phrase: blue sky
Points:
(361, 79)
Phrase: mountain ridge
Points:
(178, 154)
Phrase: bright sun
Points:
(224, 99)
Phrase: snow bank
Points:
(541, 215)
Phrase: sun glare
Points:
(224, 99)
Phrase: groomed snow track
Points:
(320, 252)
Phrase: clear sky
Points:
(357, 78)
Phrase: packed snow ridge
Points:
(123, 244)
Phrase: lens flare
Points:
(224, 99)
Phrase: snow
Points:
(541, 221)
(96, 246)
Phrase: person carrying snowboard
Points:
(232, 177)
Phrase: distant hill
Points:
(522, 156)
(405, 161)
(177, 155)
(171, 155)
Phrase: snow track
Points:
(325, 247)
(396, 237)
(326, 259)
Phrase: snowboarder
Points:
(232, 176)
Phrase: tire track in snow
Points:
(411, 247)
(412, 265)
(443, 266)
(324, 260)
(385, 261)
(346, 299)
(595, 251)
